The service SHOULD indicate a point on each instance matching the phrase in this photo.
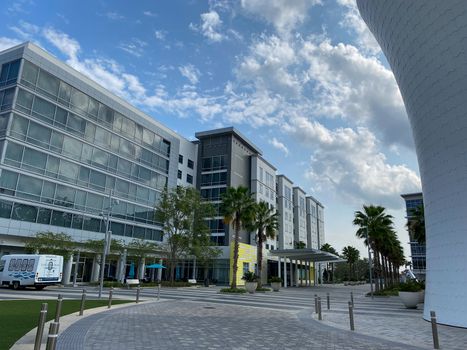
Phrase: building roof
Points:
(285, 177)
(307, 254)
(412, 195)
(315, 200)
(265, 161)
(230, 130)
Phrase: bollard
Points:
(40, 326)
(53, 335)
(352, 326)
(137, 295)
(110, 298)
(351, 299)
(83, 299)
(328, 299)
(434, 329)
(58, 310)
(158, 291)
(320, 315)
(316, 303)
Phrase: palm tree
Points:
(236, 207)
(328, 248)
(416, 224)
(265, 223)
(351, 254)
(374, 222)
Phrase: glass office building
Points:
(66, 144)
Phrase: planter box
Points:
(276, 286)
(251, 286)
(410, 299)
(421, 296)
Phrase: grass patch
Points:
(233, 290)
(263, 289)
(20, 316)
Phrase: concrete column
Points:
(193, 275)
(141, 268)
(291, 273)
(279, 267)
(75, 275)
(159, 271)
(285, 272)
(95, 268)
(67, 270)
(316, 275)
(122, 266)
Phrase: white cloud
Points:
(114, 16)
(360, 89)
(6, 43)
(160, 34)
(354, 22)
(68, 46)
(210, 26)
(150, 14)
(190, 72)
(348, 162)
(284, 15)
(279, 145)
(134, 47)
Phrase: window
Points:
(246, 267)
(30, 73)
(31, 263)
(24, 265)
(189, 178)
(190, 164)
(179, 174)
(9, 72)
(12, 265)
(48, 83)
(5, 209)
(2, 265)
(180, 159)
(24, 212)
(6, 98)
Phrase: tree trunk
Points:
(235, 254)
(259, 258)
(377, 269)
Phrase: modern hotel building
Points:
(69, 149)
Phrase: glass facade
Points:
(65, 152)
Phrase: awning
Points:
(307, 254)
(155, 266)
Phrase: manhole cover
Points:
(209, 307)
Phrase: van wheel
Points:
(39, 287)
(16, 285)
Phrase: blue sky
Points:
(303, 79)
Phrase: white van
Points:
(23, 270)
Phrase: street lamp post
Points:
(369, 261)
(107, 242)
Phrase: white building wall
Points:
(424, 42)
(285, 208)
(299, 212)
(187, 163)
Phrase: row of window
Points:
(57, 142)
(72, 123)
(212, 194)
(213, 163)
(6, 99)
(68, 96)
(23, 212)
(3, 123)
(9, 73)
(214, 179)
(190, 163)
(30, 188)
(189, 178)
(45, 164)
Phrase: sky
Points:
(304, 80)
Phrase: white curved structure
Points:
(425, 42)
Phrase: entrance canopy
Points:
(307, 254)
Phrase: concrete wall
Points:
(425, 44)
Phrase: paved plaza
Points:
(201, 318)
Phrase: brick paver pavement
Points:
(204, 325)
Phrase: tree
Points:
(351, 254)
(182, 213)
(416, 224)
(51, 243)
(382, 239)
(265, 223)
(204, 251)
(300, 245)
(328, 248)
(237, 207)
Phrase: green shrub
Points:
(263, 289)
(275, 279)
(250, 277)
(233, 290)
(410, 286)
